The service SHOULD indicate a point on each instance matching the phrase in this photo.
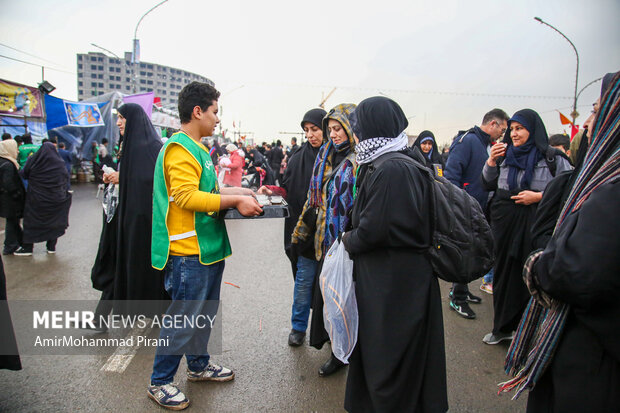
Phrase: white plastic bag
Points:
(110, 201)
(340, 307)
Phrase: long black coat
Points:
(399, 362)
(581, 267)
(135, 278)
(12, 193)
(46, 215)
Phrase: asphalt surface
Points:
(270, 376)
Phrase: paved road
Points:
(270, 375)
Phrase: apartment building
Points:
(99, 74)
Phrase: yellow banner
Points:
(20, 100)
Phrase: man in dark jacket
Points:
(468, 153)
(67, 158)
(276, 159)
(294, 147)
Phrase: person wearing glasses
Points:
(468, 153)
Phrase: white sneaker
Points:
(495, 339)
(212, 372)
(168, 396)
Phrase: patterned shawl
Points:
(543, 321)
(330, 192)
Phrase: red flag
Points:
(574, 131)
(157, 102)
(564, 119)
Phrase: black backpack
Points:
(462, 242)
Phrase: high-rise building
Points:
(99, 74)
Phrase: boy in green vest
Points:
(190, 242)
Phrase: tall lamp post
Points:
(135, 57)
(574, 114)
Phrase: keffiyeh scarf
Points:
(370, 149)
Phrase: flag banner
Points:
(82, 114)
(143, 99)
(20, 100)
(564, 120)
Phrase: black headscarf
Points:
(433, 157)
(46, 213)
(135, 278)
(314, 116)
(526, 156)
(378, 117)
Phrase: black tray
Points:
(269, 211)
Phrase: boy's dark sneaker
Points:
(168, 396)
(463, 309)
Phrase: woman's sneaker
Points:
(493, 339)
(23, 252)
(212, 372)
(168, 396)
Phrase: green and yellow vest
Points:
(209, 226)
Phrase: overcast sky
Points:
(446, 62)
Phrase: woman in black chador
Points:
(398, 364)
(518, 169)
(46, 214)
(122, 269)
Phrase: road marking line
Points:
(122, 356)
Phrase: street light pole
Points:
(574, 114)
(584, 88)
(135, 57)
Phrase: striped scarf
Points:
(542, 323)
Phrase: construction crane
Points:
(322, 104)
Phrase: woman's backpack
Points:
(461, 241)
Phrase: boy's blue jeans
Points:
(195, 290)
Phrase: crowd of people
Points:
(550, 206)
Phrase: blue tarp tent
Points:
(79, 140)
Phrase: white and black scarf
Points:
(370, 149)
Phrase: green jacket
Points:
(24, 151)
(209, 228)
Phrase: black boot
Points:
(296, 338)
(331, 366)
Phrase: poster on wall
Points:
(20, 100)
(83, 115)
